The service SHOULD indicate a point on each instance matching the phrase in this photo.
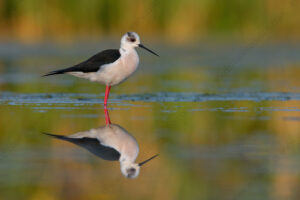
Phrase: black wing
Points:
(92, 64)
(92, 145)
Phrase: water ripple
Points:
(9, 98)
(198, 97)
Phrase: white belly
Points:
(114, 73)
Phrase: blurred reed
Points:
(176, 20)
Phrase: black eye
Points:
(131, 170)
(130, 39)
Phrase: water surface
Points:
(225, 119)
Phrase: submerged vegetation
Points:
(32, 20)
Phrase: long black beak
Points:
(142, 46)
(144, 162)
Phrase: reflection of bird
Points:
(110, 142)
(109, 67)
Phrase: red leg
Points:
(107, 119)
(106, 94)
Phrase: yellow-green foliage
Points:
(180, 19)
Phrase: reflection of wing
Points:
(92, 145)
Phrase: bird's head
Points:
(132, 170)
(132, 40)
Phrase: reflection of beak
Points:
(144, 162)
(142, 46)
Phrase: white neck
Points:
(125, 49)
(126, 160)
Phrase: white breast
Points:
(119, 71)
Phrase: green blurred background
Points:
(242, 144)
(175, 20)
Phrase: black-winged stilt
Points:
(109, 67)
(110, 142)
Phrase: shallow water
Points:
(224, 118)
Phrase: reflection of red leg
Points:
(107, 119)
(107, 89)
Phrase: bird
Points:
(110, 142)
(109, 67)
